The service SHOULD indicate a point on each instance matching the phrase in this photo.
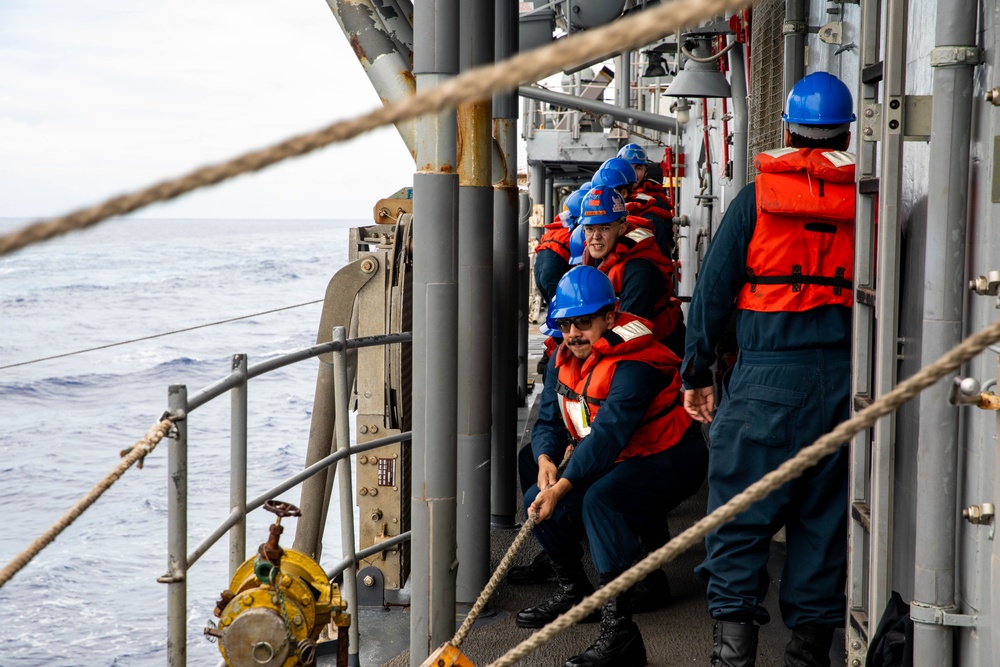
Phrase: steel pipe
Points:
(475, 311)
(636, 117)
(176, 578)
(944, 293)
(238, 465)
(435, 340)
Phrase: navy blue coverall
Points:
(790, 384)
(611, 501)
(549, 268)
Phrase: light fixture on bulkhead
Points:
(701, 76)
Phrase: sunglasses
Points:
(582, 323)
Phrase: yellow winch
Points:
(277, 605)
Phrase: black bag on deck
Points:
(892, 645)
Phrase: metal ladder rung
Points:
(865, 296)
(862, 401)
(868, 186)
(872, 74)
(861, 513)
(859, 619)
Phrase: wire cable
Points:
(159, 335)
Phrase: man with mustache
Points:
(612, 393)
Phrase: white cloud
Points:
(98, 97)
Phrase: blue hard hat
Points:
(609, 177)
(633, 154)
(549, 327)
(618, 164)
(583, 290)
(819, 99)
(577, 244)
(602, 206)
(573, 204)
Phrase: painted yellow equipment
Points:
(277, 605)
(447, 655)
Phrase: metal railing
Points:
(180, 405)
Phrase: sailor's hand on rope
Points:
(547, 499)
(700, 403)
(547, 472)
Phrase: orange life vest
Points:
(801, 255)
(638, 242)
(556, 239)
(650, 197)
(584, 385)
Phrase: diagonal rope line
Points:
(505, 563)
(159, 335)
(137, 452)
(786, 472)
(479, 83)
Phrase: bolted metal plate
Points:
(256, 638)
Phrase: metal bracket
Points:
(871, 121)
(794, 28)
(917, 119)
(371, 587)
(956, 56)
(832, 32)
(931, 615)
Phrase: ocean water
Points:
(91, 597)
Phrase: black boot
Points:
(652, 593)
(810, 646)
(538, 571)
(735, 644)
(573, 587)
(619, 644)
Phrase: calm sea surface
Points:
(91, 597)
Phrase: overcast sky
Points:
(101, 97)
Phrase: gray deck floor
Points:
(679, 634)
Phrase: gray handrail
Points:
(181, 405)
(216, 389)
(365, 553)
(235, 516)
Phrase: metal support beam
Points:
(435, 340)
(795, 30)
(238, 466)
(524, 213)
(343, 391)
(382, 51)
(944, 293)
(176, 577)
(741, 116)
(503, 498)
(651, 121)
(475, 310)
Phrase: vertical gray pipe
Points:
(238, 466)
(343, 393)
(177, 465)
(624, 78)
(523, 231)
(550, 200)
(741, 118)
(475, 310)
(503, 499)
(795, 43)
(944, 293)
(435, 340)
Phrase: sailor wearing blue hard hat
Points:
(782, 262)
(612, 391)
